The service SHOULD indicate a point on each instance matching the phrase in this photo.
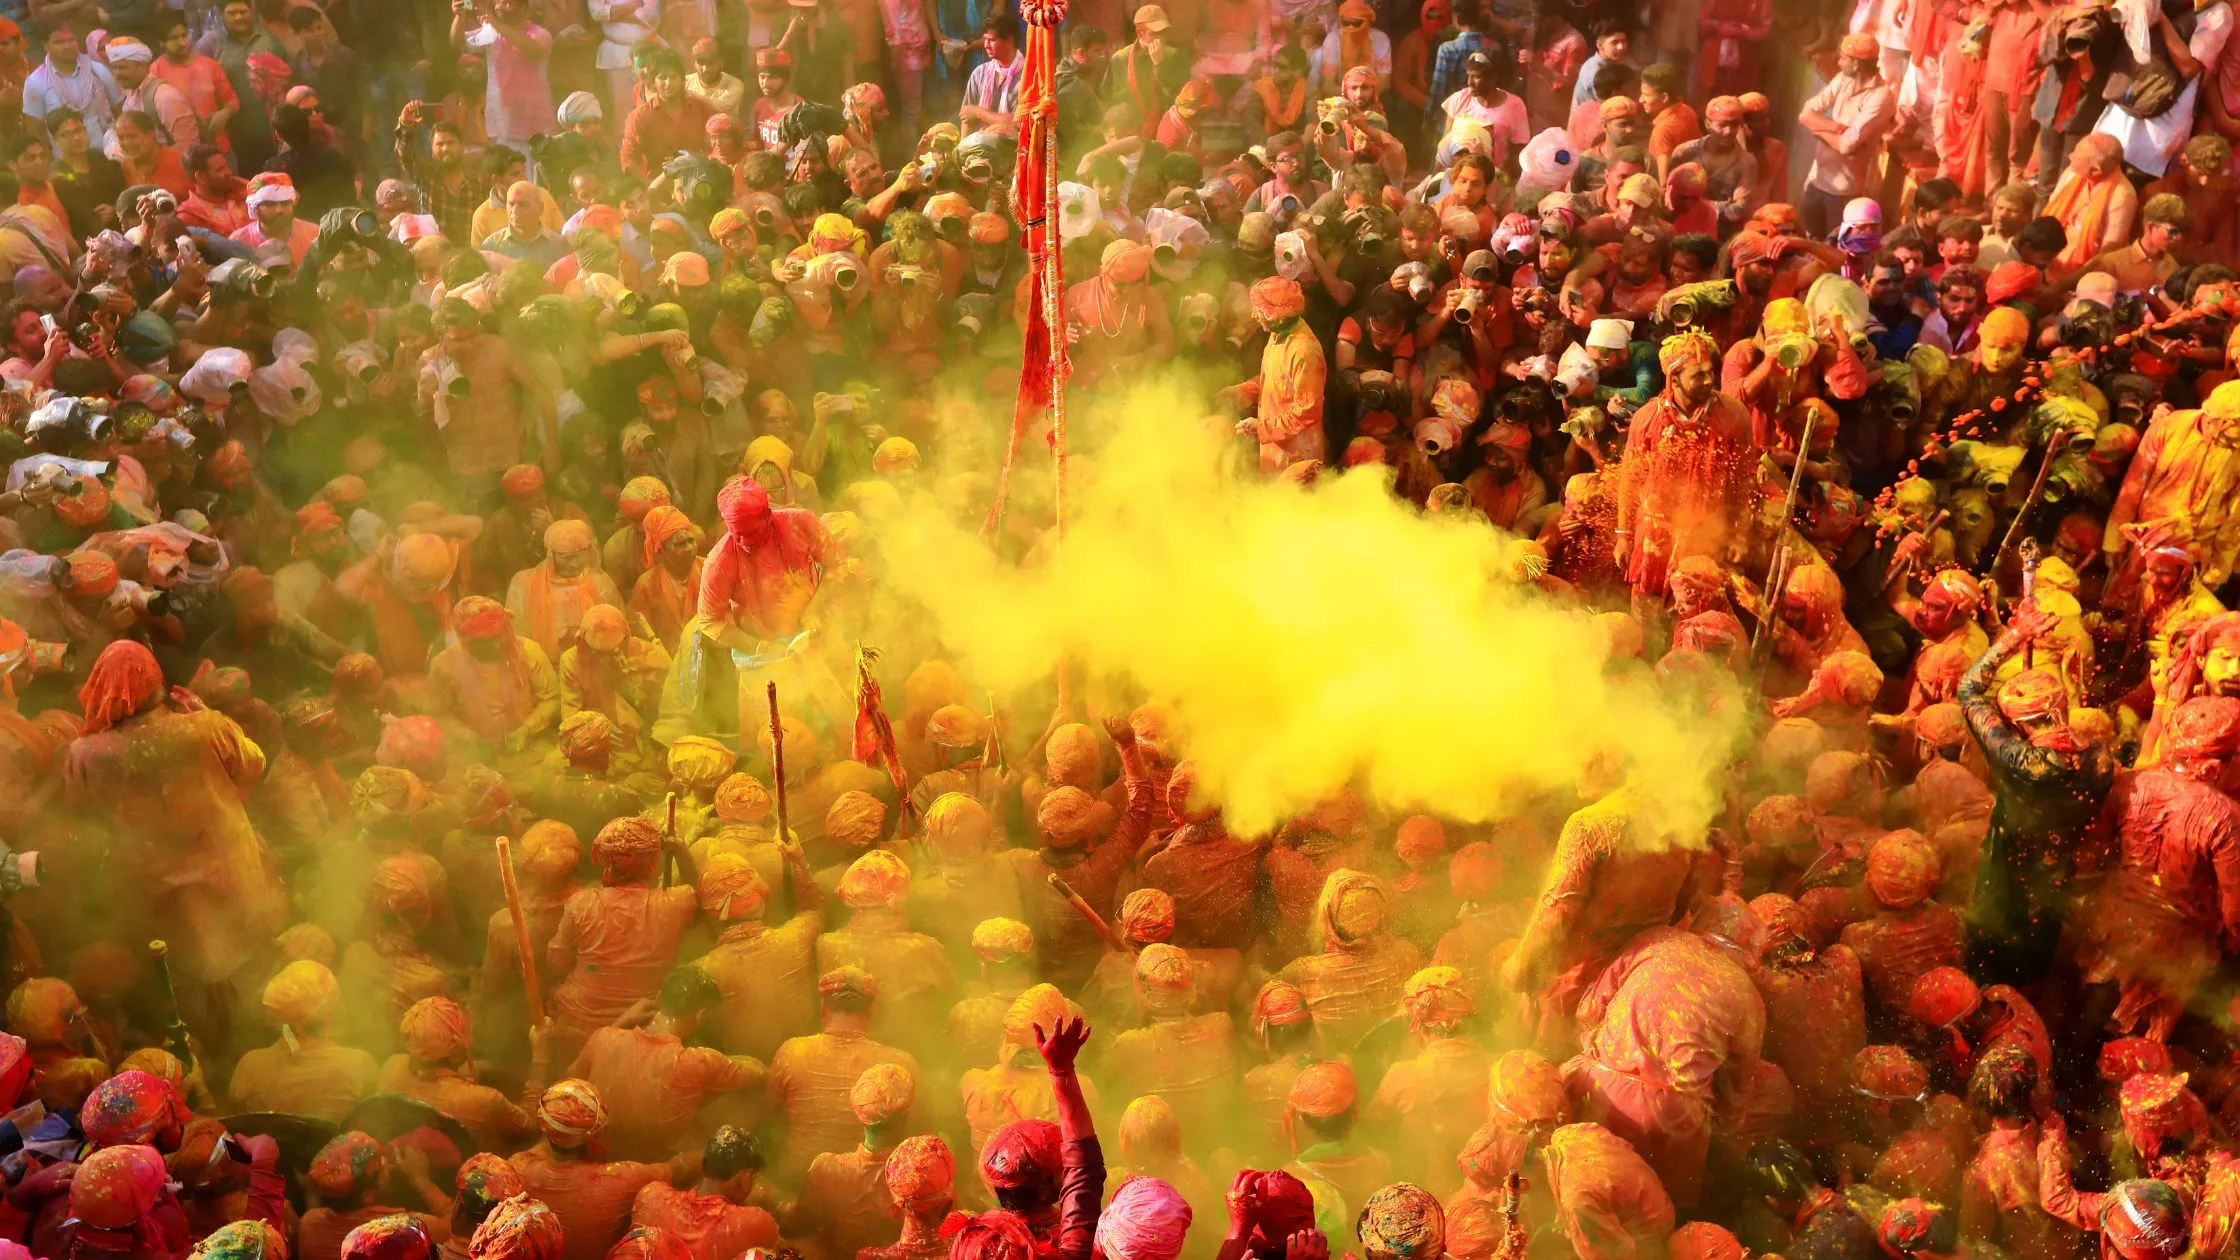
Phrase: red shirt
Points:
(2011, 57)
(207, 90)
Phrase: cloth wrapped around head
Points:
(125, 680)
(433, 1030)
(242, 1240)
(878, 880)
(1903, 868)
(1147, 916)
(730, 889)
(1353, 908)
(1023, 1158)
(1146, 1220)
(519, 1228)
(1001, 940)
(2126, 1057)
(1284, 1206)
(130, 1109)
(700, 763)
(741, 798)
(587, 735)
(1888, 1074)
(1527, 1090)
(115, 1190)
(385, 796)
(1279, 1004)
(884, 1091)
(1322, 1090)
(650, 1242)
(1436, 998)
(572, 1114)
(855, 820)
(661, 523)
(957, 826)
(627, 849)
(1124, 262)
(2145, 1220)
(997, 1235)
(921, 1171)
(2158, 1107)
(1274, 298)
(302, 995)
(1162, 975)
(1403, 1222)
(480, 617)
(346, 1165)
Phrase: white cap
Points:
(1609, 334)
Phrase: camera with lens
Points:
(240, 280)
(19, 871)
(975, 312)
(1466, 309)
(359, 361)
(1414, 279)
(2129, 396)
(449, 378)
(840, 270)
(906, 277)
(2086, 324)
(1380, 392)
(1794, 351)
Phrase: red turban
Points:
(130, 1109)
(995, 1235)
(650, 1242)
(1024, 1156)
(412, 743)
(2126, 1057)
(346, 1165)
(1783, 919)
(521, 481)
(125, 680)
(398, 1237)
(877, 880)
(744, 506)
(2144, 1220)
(1702, 1240)
(1528, 1089)
(91, 574)
(115, 1189)
(1888, 1073)
(1274, 297)
(520, 1228)
(1911, 1226)
(1436, 997)
(1162, 969)
(1284, 1207)
(480, 617)
(2033, 693)
(2157, 1106)
(2205, 727)
(489, 1178)
(1474, 872)
(920, 1170)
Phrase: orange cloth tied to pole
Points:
(1034, 179)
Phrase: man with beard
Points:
(214, 199)
(446, 184)
(1684, 485)
(1730, 170)
(1892, 326)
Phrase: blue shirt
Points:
(1446, 68)
(1582, 91)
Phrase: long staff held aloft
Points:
(778, 765)
(521, 933)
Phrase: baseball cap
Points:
(1481, 265)
(1152, 16)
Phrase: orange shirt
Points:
(592, 1198)
(654, 1084)
(714, 1228)
(1674, 127)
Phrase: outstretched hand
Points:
(1061, 1045)
(2031, 622)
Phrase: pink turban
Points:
(1146, 1220)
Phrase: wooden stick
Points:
(521, 933)
(669, 834)
(778, 765)
(1104, 929)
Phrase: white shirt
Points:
(89, 89)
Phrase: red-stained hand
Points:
(1307, 1244)
(1061, 1045)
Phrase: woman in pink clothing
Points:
(910, 26)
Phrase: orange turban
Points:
(1322, 1090)
(1274, 297)
(1528, 1089)
(434, 1029)
(731, 888)
(697, 762)
(884, 1091)
(1124, 262)
(848, 982)
(1943, 997)
(2205, 727)
(42, 1010)
(1162, 969)
(741, 798)
(1421, 839)
(855, 820)
(587, 735)
(603, 627)
(1902, 869)
(1686, 347)
(1067, 817)
(1888, 1073)
(957, 825)
(920, 1170)
(91, 574)
(1040, 1006)
(876, 880)
(569, 535)
(1702, 1240)
(662, 522)
(1279, 1004)
(1436, 997)
(572, 1114)
(1072, 755)
(627, 848)
(1146, 916)
(549, 851)
(303, 993)
(521, 481)
(1474, 872)
(519, 1228)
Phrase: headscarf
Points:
(1436, 998)
(662, 522)
(1147, 916)
(1527, 1090)
(730, 889)
(1286, 1207)
(116, 1190)
(995, 1235)
(1403, 1222)
(831, 233)
(125, 680)
(1278, 1004)
(1001, 940)
(1147, 1217)
(1353, 908)
(519, 1228)
(700, 763)
(242, 1240)
(1023, 1156)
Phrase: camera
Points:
(1414, 279)
(1380, 392)
(450, 379)
(1473, 301)
(2086, 324)
(975, 311)
(1794, 351)
(19, 871)
(841, 271)
(240, 279)
(906, 277)
(365, 224)
(359, 361)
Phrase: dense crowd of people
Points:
(457, 467)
